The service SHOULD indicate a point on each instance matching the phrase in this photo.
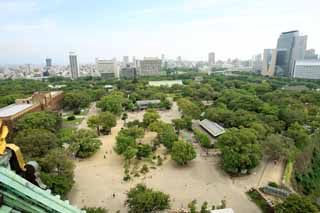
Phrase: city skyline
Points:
(32, 30)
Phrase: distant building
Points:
(128, 72)
(108, 69)
(144, 104)
(169, 83)
(47, 67)
(125, 60)
(269, 62)
(307, 69)
(311, 55)
(212, 59)
(48, 62)
(150, 67)
(74, 66)
(291, 47)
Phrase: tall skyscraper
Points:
(47, 67)
(163, 58)
(125, 60)
(291, 47)
(269, 62)
(74, 66)
(211, 58)
(48, 62)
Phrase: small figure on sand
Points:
(113, 195)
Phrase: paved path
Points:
(92, 111)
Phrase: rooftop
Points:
(145, 102)
(211, 127)
(308, 63)
(13, 109)
(165, 83)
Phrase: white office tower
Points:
(74, 66)
(108, 69)
(125, 60)
(307, 69)
(211, 59)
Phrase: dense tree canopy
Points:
(297, 204)
(35, 143)
(85, 143)
(39, 120)
(183, 152)
(112, 103)
(240, 150)
(57, 171)
(141, 199)
(75, 100)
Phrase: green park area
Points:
(103, 151)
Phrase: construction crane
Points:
(21, 190)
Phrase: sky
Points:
(31, 30)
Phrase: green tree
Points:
(134, 132)
(112, 103)
(57, 171)
(182, 123)
(39, 120)
(203, 139)
(85, 143)
(144, 151)
(183, 152)
(166, 133)
(65, 135)
(297, 204)
(141, 199)
(193, 206)
(95, 210)
(107, 121)
(204, 208)
(124, 117)
(239, 150)
(75, 100)
(299, 134)
(35, 143)
(94, 122)
(130, 153)
(104, 120)
(123, 143)
(278, 147)
(189, 108)
(150, 116)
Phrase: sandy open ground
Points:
(100, 176)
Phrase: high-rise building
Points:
(150, 67)
(269, 62)
(256, 63)
(48, 62)
(125, 60)
(74, 66)
(307, 69)
(163, 58)
(291, 47)
(211, 58)
(107, 68)
(311, 55)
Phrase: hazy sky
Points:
(31, 30)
